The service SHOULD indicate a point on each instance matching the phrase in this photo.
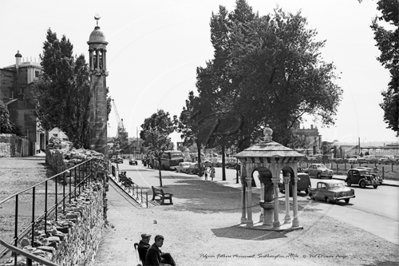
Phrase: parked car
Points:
(331, 191)
(361, 177)
(132, 161)
(371, 159)
(193, 169)
(318, 170)
(183, 167)
(116, 160)
(303, 184)
(352, 160)
(232, 163)
(218, 162)
(385, 160)
(361, 160)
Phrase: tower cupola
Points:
(97, 50)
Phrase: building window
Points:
(37, 73)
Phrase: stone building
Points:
(310, 140)
(16, 93)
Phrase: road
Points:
(373, 210)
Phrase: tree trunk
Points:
(199, 158)
(159, 169)
(223, 165)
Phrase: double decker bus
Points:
(169, 160)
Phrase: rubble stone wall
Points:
(74, 237)
(13, 146)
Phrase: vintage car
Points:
(116, 160)
(331, 191)
(183, 167)
(132, 161)
(362, 177)
(374, 172)
(318, 170)
(232, 163)
(303, 184)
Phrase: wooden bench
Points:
(157, 192)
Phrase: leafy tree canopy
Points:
(269, 71)
(155, 135)
(5, 124)
(388, 44)
(62, 92)
(155, 132)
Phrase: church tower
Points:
(98, 89)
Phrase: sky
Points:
(154, 48)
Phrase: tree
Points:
(194, 125)
(388, 44)
(5, 124)
(269, 71)
(62, 92)
(155, 135)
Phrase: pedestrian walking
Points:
(212, 172)
(206, 172)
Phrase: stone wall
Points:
(74, 237)
(13, 146)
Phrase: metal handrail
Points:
(77, 185)
(132, 192)
(28, 255)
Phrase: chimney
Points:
(311, 126)
(18, 57)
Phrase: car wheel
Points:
(328, 200)
(330, 177)
(362, 184)
(311, 196)
(318, 175)
(347, 200)
(375, 186)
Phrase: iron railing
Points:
(136, 192)
(48, 196)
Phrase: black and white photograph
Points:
(212, 132)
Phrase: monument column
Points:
(98, 93)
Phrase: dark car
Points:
(361, 177)
(374, 172)
(132, 161)
(117, 160)
(303, 184)
(231, 164)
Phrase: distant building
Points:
(16, 93)
(310, 140)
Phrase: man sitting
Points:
(155, 257)
(143, 246)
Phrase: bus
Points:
(169, 160)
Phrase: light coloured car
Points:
(331, 191)
(318, 170)
(183, 167)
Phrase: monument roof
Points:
(268, 148)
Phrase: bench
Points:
(157, 192)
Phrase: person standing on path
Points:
(212, 172)
(155, 257)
